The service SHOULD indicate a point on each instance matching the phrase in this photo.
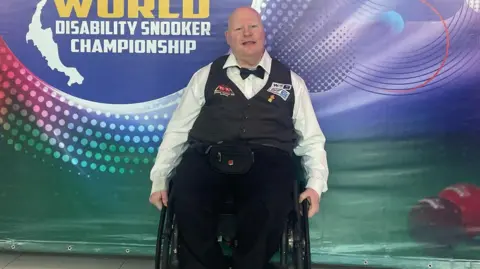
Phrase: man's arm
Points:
(311, 143)
(174, 140)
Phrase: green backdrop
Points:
(363, 216)
(394, 85)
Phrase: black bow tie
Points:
(259, 72)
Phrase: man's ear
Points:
(227, 38)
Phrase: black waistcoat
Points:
(265, 119)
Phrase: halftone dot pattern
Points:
(401, 65)
(303, 35)
(474, 4)
(33, 115)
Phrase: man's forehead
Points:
(245, 21)
(244, 15)
(239, 21)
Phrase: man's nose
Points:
(247, 31)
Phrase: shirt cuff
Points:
(158, 185)
(317, 185)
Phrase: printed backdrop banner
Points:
(87, 88)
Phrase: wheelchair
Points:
(294, 249)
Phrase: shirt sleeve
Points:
(311, 140)
(174, 140)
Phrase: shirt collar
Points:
(265, 62)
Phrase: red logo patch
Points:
(224, 90)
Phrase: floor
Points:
(46, 261)
(41, 261)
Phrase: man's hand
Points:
(159, 199)
(314, 200)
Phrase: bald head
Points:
(246, 36)
(243, 12)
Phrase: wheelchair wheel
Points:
(158, 249)
(165, 252)
(306, 237)
(301, 239)
(284, 247)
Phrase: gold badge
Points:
(272, 97)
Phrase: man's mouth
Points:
(248, 43)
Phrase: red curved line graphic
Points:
(445, 57)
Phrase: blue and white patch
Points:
(277, 85)
(283, 93)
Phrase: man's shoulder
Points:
(205, 70)
(296, 78)
(293, 74)
(298, 83)
(279, 62)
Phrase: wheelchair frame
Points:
(295, 238)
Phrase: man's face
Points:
(245, 34)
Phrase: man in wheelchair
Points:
(240, 122)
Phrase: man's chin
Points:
(252, 51)
(250, 48)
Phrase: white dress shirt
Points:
(311, 141)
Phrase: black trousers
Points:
(263, 197)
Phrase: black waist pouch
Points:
(234, 159)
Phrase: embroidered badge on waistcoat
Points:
(224, 90)
(281, 90)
